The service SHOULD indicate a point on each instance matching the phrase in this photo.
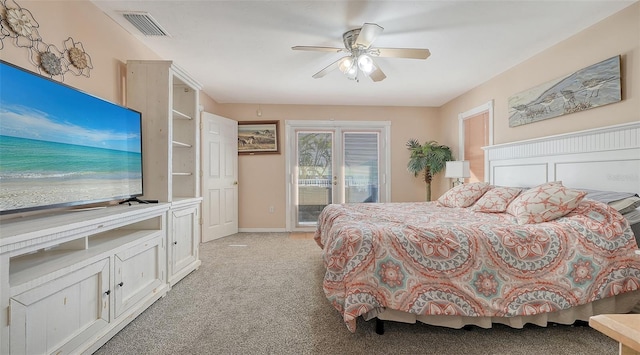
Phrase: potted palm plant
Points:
(429, 158)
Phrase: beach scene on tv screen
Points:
(62, 146)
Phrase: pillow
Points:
(497, 199)
(511, 207)
(626, 205)
(545, 203)
(463, 195)
(623, 202)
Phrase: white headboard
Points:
(605, 158)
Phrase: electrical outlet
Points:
(272, 209)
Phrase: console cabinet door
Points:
(60, 315)
(185, 238)
(139, 273)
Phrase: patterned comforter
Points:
(429, 260)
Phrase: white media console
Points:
(69, 281)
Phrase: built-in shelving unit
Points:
(169, 101)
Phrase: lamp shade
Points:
(457, 169)
(365, 63)
(346, 64)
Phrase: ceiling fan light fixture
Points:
(346, 64)
(352, 73)
(358, 61)
(365, 63)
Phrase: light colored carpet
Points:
(261, 293)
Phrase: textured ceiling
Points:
(241, 50)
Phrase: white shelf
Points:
(181, 174)
(31, 270)
(49, 231)
(181, 145)
(180, 116)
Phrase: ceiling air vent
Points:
(146, 24)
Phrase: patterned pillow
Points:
(497, 199)
(544, 203)
(463, 195)
(511, 207)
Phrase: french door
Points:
(335, 162)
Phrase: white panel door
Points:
(185, 242)
(139, 272)
(220, 176)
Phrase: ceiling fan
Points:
(359, 58)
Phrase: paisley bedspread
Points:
(429, 260)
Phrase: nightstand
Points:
(625, 328)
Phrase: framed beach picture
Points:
(594, 86)
(258, 137)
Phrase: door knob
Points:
(235, 183)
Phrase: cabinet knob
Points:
(121, 283)
(107, 292)
(235, 183)
(176, 242)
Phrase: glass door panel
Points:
(315, 178)
(334, 164)
(361, 161)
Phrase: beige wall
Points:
(262, 177)
(616, 35)
(108, 45)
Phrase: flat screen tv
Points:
(62, 147)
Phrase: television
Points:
(61, 147)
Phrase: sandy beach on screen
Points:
(17, 194)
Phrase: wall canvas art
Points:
(258, 137)
(587, 88)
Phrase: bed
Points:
(496, 252)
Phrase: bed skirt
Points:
(623, 303)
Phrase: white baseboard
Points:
(261, 230)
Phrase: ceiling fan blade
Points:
(329, 68)
(368, 33)
(377, 74)
(413, 53)
(318, 49)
